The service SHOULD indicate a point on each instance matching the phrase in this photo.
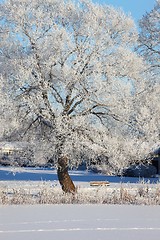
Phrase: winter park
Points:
(79, 119)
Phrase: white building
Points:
(12, 153)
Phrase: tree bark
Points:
(63, 176)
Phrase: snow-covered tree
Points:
(149, 37)
(72, 74)
(149, 93)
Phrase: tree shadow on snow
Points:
(39, 174)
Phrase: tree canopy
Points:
(70, 70)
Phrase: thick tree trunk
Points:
(63, 176)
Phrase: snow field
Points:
(39, 186)
(70, 222)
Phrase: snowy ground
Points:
(79, 177)
(42, 185)
(72, 221)
(77, 222)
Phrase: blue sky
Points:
(137, 8)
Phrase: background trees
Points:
(149, 95)
(73, 78)
(149, 37)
